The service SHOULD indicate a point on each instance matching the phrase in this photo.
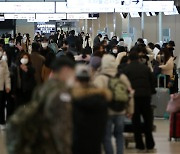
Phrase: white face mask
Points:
(101, 39)
(4, 57)
(1, 53)
(24, 40)
(24, 61)
(121, 43)
(115, 51)
(44, 45)
(11, 44)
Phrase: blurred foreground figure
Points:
(45, 125)
(89, 113)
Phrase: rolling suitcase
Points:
(175, 126)
(161, 98)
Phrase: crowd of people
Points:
(62, 96)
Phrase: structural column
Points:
(114, 22)
(85, 25)
(142, 24)
(126, 24)
(160, 26)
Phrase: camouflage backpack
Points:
(120, 94)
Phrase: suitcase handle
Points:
(161, 76)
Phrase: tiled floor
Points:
(163, 146)
(161, 136)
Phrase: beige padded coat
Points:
(4, 76)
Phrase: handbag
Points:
(174, 104)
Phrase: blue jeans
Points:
(115, 125)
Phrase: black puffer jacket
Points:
(90, 116)
(141, 79)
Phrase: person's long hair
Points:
(167, 54)
(22, 55)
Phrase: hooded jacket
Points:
(89, 118)
(109, 67)
(141, 78)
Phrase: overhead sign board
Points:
(37, 20)
(27, 7)
(63, 7)
(72, 3)
(157, 6)
(51, 16)
(129, 5)
(174, 12)
(78, 16)
(19, 16)
(147, 6)
(134, 14)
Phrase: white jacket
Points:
(4, 76)
(101, 81)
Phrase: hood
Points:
(79, 93)
(108, 65)
(108, 62)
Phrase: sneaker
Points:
(151, 151)
(3, 127)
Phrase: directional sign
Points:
(174, 12)
(146, 6)
(157, 6)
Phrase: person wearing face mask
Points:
(114, 51)
(12, 53)
(5, 87)
(24, 79)
(113, 41)
(45, 50)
